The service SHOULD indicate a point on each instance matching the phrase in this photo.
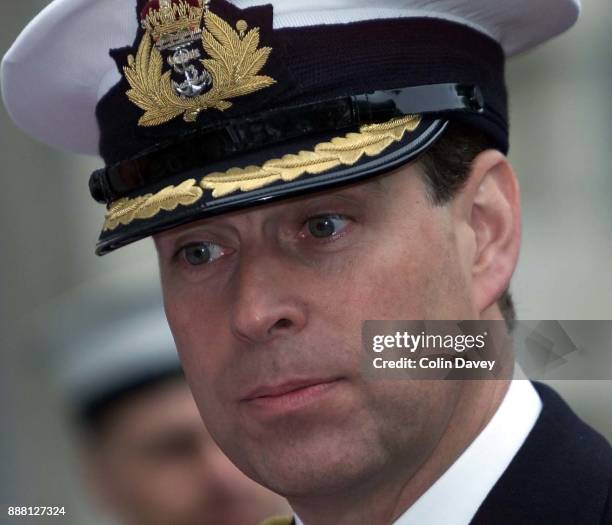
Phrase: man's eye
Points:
(198, 254)
(326, 226)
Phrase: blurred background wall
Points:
(562, 150)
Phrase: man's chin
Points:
(315, 465)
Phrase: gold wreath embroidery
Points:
(125, 211)
(371, 140)
(234, 63)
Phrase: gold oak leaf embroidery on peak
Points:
(371, 140)
(234, 65)
(125, 211)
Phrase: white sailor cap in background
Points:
(103, 338)
(59, 67)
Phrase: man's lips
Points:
(285, 387)
(289, 395)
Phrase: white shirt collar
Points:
(480, 466)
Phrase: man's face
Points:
(155, 464)
(267, 306)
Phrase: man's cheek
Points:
(189, 338)
(397, 287)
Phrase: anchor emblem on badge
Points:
(176, 27)
(195, 83)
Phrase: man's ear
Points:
(489, 212)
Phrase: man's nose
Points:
(268, 299)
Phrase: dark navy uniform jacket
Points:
(562, 475)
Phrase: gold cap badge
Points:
(191, 84)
